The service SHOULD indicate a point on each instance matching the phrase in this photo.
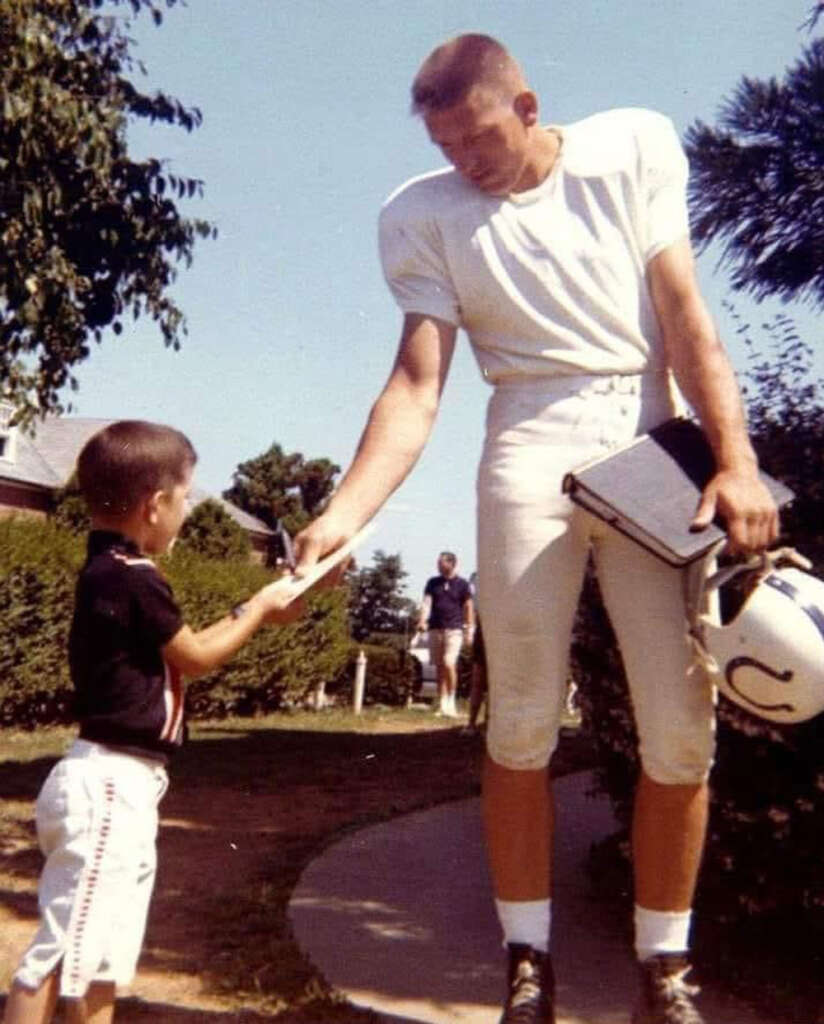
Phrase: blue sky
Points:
(306, 130)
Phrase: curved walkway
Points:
(399, 918)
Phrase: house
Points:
(34, 469)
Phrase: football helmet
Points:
(769, 656)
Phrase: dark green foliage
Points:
(390, 675)
(69, 511)
(786, 420)
(757, 181)
(210, 531)
(377, 605)
(88, 235)
(275, 486)
(38, 568)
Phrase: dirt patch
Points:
(249, 805)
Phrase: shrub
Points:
(210, 531)
(390, 675)
(38, 568)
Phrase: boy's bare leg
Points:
(96, 1008)
(32, 1005)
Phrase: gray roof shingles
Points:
(47, 460)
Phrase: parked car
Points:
(426, 675)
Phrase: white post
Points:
(360, 682)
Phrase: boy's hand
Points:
(279, 605)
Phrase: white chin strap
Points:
(701, 584)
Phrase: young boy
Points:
(128, 649)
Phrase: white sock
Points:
(661, 931)
(526, 921)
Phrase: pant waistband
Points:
(91, 749)
(583, 383)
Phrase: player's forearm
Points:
(707, 380)
(396, 433)
(697, 357)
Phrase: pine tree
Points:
(757, 181)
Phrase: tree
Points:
(377, 604)
(210, 531)
(88, 234)
(276, 486)
(786, 422)
(757, 181)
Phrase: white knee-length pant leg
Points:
(533, 546)
(97, 824)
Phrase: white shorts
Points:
(533, 545)
(97, 824)
(445, 646)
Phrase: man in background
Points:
(447, 613)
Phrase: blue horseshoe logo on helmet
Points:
(743, 662)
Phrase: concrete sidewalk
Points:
(399, 918)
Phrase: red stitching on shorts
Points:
(88, 884)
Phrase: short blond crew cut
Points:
(452, 70)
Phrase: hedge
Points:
(38, 568)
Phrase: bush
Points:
(38, 568)
(764, 851)
(209, 530)
(390, 675)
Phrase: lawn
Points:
(252, 801)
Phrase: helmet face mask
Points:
(769, 658)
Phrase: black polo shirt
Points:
(126, 694)
(448, 598)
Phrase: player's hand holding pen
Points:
(304, 572)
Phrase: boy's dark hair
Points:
(449, 556)
(130, 460)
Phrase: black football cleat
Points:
(531, 995)
(666, 997)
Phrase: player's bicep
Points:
(685, 321)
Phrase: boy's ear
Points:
(151, 506)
